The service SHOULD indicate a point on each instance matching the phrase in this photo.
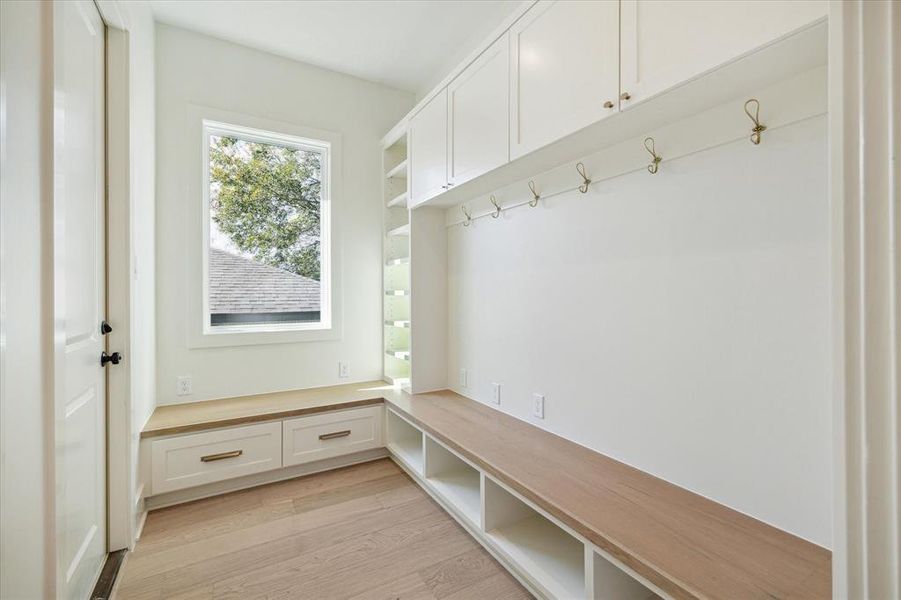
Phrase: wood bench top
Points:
(210, 414)
(687, 545)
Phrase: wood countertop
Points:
(687, 545)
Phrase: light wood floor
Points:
(365, 531)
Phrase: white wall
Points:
(196, 70)
(677, 322)
(26, 410)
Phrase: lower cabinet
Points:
(195, 459)
(306, 439)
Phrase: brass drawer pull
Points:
(337, 434)
(221, 456)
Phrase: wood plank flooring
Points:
(362, 532)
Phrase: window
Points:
(267, 231)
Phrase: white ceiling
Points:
(406, 44)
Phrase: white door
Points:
(79, 295)
(668, 42)
(564, 70)
(428, 150)
(478, 110)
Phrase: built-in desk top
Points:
(687, 545)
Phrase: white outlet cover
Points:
(184, 386)
(496, 393)
(538, 406)
(343, 370)
(463, 378)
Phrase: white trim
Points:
(196, 201)
(324, 149)
(120, 522)
(865, 80)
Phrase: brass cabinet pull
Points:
(608, 104)
(336, 434)
(221, 456)
(625, 96)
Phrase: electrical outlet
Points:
(538, 406)
(463, 378)
(496, 393)
(183, 386)
(343, 370)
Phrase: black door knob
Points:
(105, 328)
(114, 358)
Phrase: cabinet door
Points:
(478, 115)
(666, 42)
(428, 150)
(564, 65)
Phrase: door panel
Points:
(79, 282)
(564, 65)
(666, 42)
(478, 115)
(428, 150)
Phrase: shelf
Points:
(609, 581)
(399, 171)
(397, 292)
(399, 354)
(395, 262)
(401, 324)
(537, 546)
(399, 200)
(552, 556)
(404, 441)
(454, 480)
(403, 230)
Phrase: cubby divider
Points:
(455, 480)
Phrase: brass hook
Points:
(468, 215)
(533, 203)
(652, 168)
(497, 207)
(758, 127)
(581, 169)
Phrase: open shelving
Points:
(454, 480)
(551, 556)
(404, 441)
(546, 556)
(396, 272)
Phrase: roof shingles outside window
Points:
(245, 291)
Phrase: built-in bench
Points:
(567, 521)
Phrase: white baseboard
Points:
(257, 479)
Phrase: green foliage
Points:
(266, 199)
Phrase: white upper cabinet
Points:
(478, 115)
(667, 42)
(564, 67)
(428, 150)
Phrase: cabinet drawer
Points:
(332, 434)
(189, 460)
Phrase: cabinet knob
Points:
(625, 96)
(608, 104)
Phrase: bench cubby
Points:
(455, 480)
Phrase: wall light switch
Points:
(184, 386)
(343, 370)
(462, 377)
(496, 393)
(538, 406)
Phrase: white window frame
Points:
(200, 332)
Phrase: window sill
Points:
(255, 336)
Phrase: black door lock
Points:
(105, 328)
(114, 358)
